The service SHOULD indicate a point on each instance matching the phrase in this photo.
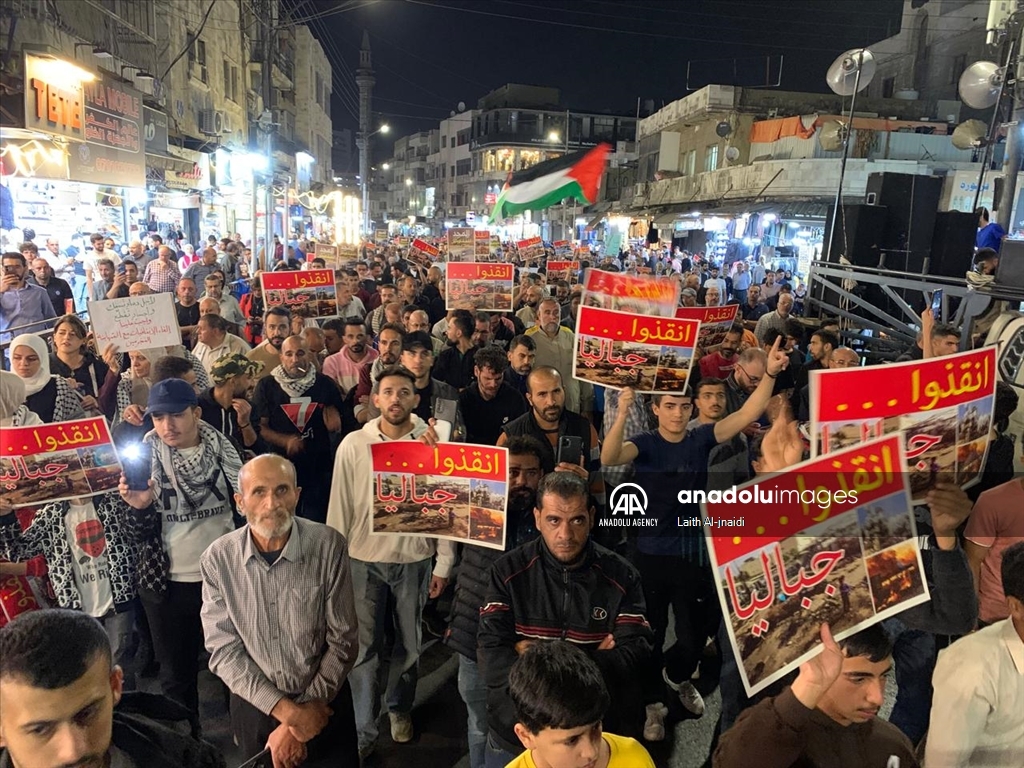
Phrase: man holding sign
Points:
(672, 559)
(829, 716)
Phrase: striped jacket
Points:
(532, 596)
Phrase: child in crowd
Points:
(560, 700)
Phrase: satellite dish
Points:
(970, 134)
(832, 136)
(842, 75)
(980, 84)
(732, 154)
(452, 113)
(723, 129)
(462, 106)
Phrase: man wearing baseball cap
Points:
(225, 405)
(195, 475)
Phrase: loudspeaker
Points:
(1010, 272)
(913, 202)
(864, 231)
(652, 235)
(953, 243)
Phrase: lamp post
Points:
(362, 144)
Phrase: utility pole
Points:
(1014, 147)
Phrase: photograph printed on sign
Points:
(829, 540)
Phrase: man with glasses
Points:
(747, 374)
(843, 357)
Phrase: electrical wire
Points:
(349, 98)
(330, 12)
(191, 42)
(619, 31)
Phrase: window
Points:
(197, 59)
(444, 141)
(463, 167)
(691, 162)
(451, 172)
(711, 157)
(888, 87)
(230, 81)
(604, 129)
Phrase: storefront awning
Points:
(167, 163)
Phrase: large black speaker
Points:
(953, 243)
(913, 202)
(864, 226)
(1010, 272)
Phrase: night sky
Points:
(431, 54)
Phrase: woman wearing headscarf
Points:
(133, 389)
(51, 397)
(94, 378)
(13, 411)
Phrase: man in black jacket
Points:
(524, 475)
(562, 586)
(58, 693)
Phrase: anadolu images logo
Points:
(628, 499)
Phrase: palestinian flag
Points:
(577, 175)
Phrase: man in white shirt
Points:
(383, 567)
(215, 342)
(716, 281)
(977, 714)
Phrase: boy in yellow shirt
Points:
(560, 700)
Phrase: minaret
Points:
(365, 81)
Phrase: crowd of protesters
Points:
(247, 548)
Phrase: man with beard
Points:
(548, 419)
(556, 348)
(524, 475)
(277, 322)
(488, 404)
(718, 364)
(391, 575)
(522, 353)
(62, 703)
(389, 350)
(299, 409)
(225, 406)
(562, 584)
(532, 295)
(346, 366)
(387, 293)
(286, 666)
(455, 364)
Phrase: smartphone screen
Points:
(937, 302)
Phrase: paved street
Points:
(440, 719)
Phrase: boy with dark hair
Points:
(560, 700)
(828, 716)
(58, 693)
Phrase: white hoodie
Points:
(351, 506)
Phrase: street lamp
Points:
(408, 182)
(386, 166)
(362, 143)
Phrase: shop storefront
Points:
(77, 165)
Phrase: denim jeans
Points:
(373, 583)
(474, 693)
(496, 757)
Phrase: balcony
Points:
(282, 72)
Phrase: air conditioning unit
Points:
(225, 123)
(208, 122)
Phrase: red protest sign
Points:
(450, 491)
